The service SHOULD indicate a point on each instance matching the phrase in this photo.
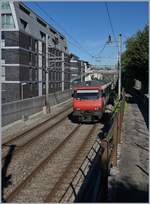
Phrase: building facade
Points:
(78, 69)
(34, 54)
(75, 69)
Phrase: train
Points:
(90, 99)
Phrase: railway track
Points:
(44, 163)
(25, 161)
(36, 126)
(28, 137)
(58, 190)
(26, 181)
(47, 176)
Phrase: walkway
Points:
(129, 182)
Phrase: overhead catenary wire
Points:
(112, 29)
(101, 51)
(111, 25)
(78, 45)
(110, 21)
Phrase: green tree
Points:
(135, 60)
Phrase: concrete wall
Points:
(17, 110)
(143, 99)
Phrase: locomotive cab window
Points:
(87, 94)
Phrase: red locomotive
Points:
(90, 99)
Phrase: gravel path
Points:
(129, 182)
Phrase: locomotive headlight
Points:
(96, 108)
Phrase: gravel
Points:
(25, 161)
(48, 176)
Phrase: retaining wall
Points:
(143, 99)
(17, 110)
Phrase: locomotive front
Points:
(87, 103)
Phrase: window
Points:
(36, 45)
(7, 21)
(5, 6)
(36, 60)
(30, 43)
(25, 10)
(36, 74)
(61, 37)
(3, 72)
(87, 94)
(55, 41)
(44, 85)
(43, 35)
(53, 31)
(31, 87)
(30, 74)
(41, 22)
(30, 58)
(23, 24)
(3, 35)
(3, 43)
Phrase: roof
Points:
(37, 25)
(87, 87)
(42, 19)
(93, 84)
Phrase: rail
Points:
(90, 182)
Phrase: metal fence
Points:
(90, 183)
(110, 146)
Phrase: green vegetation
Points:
(116, 107)
(135, 60)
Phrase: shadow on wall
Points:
(126, 192)
(6, 179)
(133, 97)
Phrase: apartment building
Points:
(78, 69)
(30, 49)
(75, 69)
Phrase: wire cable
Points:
(100, 52)
(58, 24)
(111, 25)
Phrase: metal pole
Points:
(21, 91)
(119, 64)
(1, 94)
(81, 71)
(63, 67)
(47, 78)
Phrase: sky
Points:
(86, 25)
